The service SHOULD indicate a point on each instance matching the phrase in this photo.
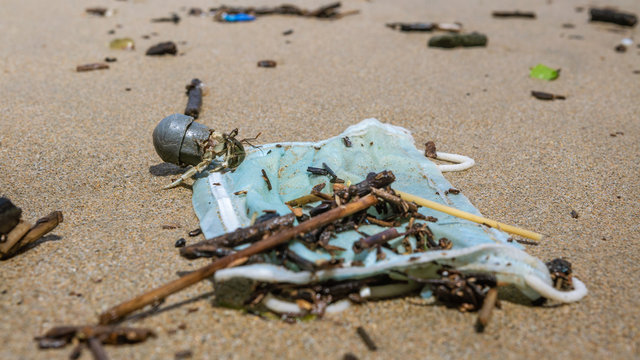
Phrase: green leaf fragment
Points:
(544, 72)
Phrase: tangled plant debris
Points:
(93, 337)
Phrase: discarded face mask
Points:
(300, 279)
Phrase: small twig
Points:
(514, 14)
(484, 315)
(96, 348)
(194, 102)
(404, 205)
(266, 179)
(379, 222)
(540, 95)
(90, 67)
(303, 200)
(174, 19)
(376, 239)
(430, 150)
(366, 338)
(372, 181)
(317, 171)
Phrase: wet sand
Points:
(81, 143)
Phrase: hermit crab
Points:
(179, 140)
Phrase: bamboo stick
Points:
(120, 311)
(468, 216)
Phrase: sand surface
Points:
(81, 143)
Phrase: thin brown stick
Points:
(376, 239)
(95, 346)
(484, 315)
(120, 311)
(379, 222)
(266, 179)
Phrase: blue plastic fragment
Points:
(240, 17)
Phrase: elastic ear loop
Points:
(579, 289)
(461, 162)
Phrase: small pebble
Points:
(163, 48)
(620, 48)
(180, 243)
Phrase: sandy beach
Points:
(80, 142)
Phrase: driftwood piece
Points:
(24, 234)
(10, 245)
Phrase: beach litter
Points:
(91, 67)
(425, 26)
(267, 63)
(163, 48)
(174, 18)
(17, 235)
(283, 242)
(195, 90)
(235, 14)
(544, 72)
(541, 95)
(514, 14)
(624, 43)
(239, 17)
(100, 11)
(122, 44)
(458, 40)
(93, 337)
(613, 16)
